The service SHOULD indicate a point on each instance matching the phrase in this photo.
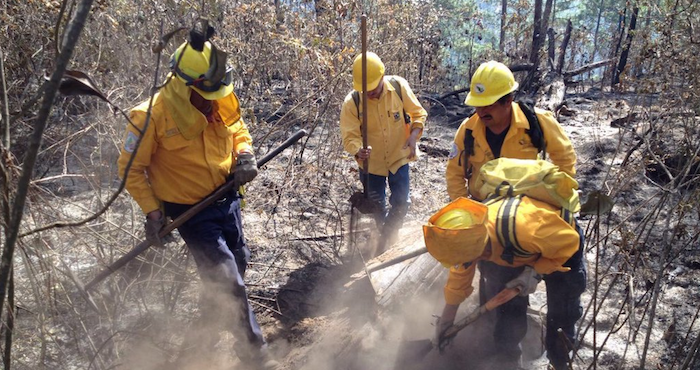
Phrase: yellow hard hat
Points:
(455, 218)
(457, 234)
(197, 68)
(491, 81)
(375, 72)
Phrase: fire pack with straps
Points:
(511, 179)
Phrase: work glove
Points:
(153, 227)
(442, 323)
(440, 327)
(527, 281)
(246, 169)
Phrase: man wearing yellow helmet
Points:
(395, 121)
(546, 244)
(500, 129)
(194, 141)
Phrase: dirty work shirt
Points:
(517, 144)
(167, 166)
(540, 230)
(386, 129)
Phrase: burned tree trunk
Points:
(550, 49)
(626, 49)
(529, 83)
(504, 12)
(564, 45)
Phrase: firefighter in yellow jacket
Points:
(500, 129)
(395, 121)
(194, 141)
(528, 239)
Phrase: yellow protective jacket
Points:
(517, 144)
(386, 129)
(169, 167)
(539, 229)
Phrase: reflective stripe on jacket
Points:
(386, 129)
(540, 230)
(168, 167)
(517, 144)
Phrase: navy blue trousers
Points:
(564, 307)
(390, 220)
(214, 237)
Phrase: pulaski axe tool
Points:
(412, 352)
(361, 201)
(216, 195)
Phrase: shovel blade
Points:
(364, 205)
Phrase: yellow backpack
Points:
(535, 178)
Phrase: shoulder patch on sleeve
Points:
(130, 142)
(454, 151)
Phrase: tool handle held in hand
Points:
(502, 297)
(365, 163)
(211, 198)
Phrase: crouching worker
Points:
(533, 239)
(194, 142)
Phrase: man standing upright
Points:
(395, 121)
(504, 128)
(195, 141)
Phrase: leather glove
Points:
(153, 227)
(442, 323)
(246, 168)
(527, 281)
(440, 327)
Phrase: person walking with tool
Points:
(194, 141)
(395, 121)
(527, 239)
(501, 127)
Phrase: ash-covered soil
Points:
(318, 326)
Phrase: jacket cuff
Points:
(148, 205)
(243, 147)
(415, 125)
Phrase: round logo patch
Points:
(454, 151)
(479, 88)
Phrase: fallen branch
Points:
(587, 67)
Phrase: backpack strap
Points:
(506, 231)
(568, 216)
(535, 131)
(468, 152)
(356, 99)
(397, 87)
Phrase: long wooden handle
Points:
(211, 198)
(397, 259)
(365, 164)
(502, 297)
